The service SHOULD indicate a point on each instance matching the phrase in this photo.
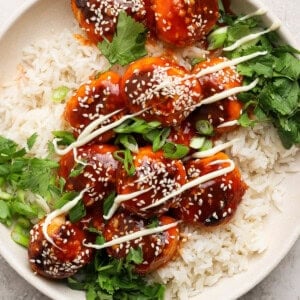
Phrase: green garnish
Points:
(31, 141)
(197, 142)
(77, 170)
(136, 125)
(128, 43)
(77, 212)
(208, 144)
(65, 137)
(175, 151)
(160, 138)
(276, 96)
(125, 157)
(108, 278)
(128, 141)
(59, 94)
(217, 38)
(108, 202)
(204, 127)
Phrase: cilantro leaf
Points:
(128, 44)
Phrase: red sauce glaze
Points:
(98, 97)
(215, 201)
(222, 111)
(152, 170)
(157, 248)
(99, 18)
(182, 23)
(64, 260)
(169, 104)
(183, 133)
(93, 218)
(99, 174)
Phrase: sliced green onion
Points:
(204, 127)
(197, 142)
(136, 125)
(59, 94)
(125, 157)
(208, 144)
(108, 202)
(77, 212)
(217, 38)
(77, 170)
(160, 139)
(24, 209)
(175, 151)
(100, 240)
(20, 235)
(128, 141)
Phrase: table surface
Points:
(282, 283)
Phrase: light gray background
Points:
(282, 283)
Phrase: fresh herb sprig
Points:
(128, 43)
(276, 98)
(108, 278)
(20, 173)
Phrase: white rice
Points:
(207, 255)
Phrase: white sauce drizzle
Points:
(90, 135)
(132, 236)
(227, 93)
(259, 12)
(121, 198)
(63, 210)
(214, 150)
(228, 124)
(251, 37)
(229, 63)
(195, 182)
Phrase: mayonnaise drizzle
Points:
(227, 93)
(121, 198)
(89, 135)
(229, 63)
(132, 236)
(214, 150)
(251, 37)
(195, 182)
(63, 210)
(259, 12)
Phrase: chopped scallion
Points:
(204, 127)
(175, 151)
(197, 142)
(59, 94)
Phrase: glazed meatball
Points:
(157, 249)
(215, 201)
(63, 259)
(222, 111)
(155, 172)
(158, 85)
(182, 23)
(99, 17)
(98, 173)
(94, 99)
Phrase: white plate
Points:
(38, 19)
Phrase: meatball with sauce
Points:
(99, 18)
(65, 256)
(214, 201)
(223, 111)
(157, 249)
(98, 171)
(157, 176)
(158, 86)
(93, 100)
(182, 23)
